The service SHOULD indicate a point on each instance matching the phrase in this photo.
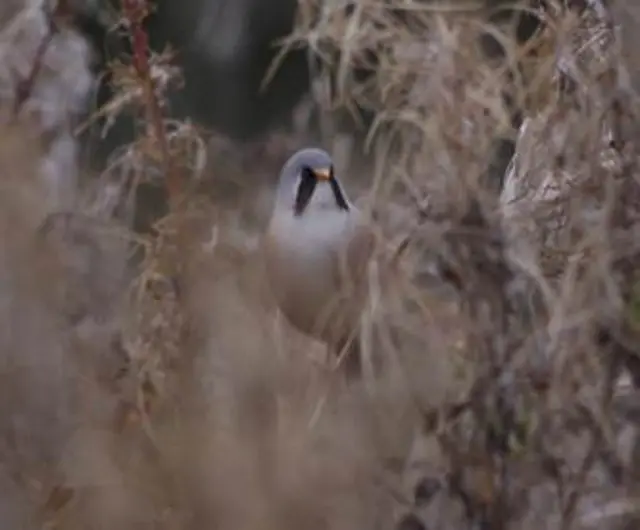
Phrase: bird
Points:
(317, 246)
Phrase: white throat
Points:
(321, 227)
(322, 198)
(318, 227)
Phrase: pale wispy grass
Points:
(147, 379)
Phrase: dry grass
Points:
(148, 382)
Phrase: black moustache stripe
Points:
(337, 192)
(305, 191)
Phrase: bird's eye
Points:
(305, 189)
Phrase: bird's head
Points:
(308, 183)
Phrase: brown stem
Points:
(25, 86)
(135, 12)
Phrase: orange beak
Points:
(322, 174)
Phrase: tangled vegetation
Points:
(146, 379)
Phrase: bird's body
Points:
(316, 255)
(304, 258)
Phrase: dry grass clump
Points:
(144, 380)
(148, 382)
(543, 272)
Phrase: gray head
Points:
(307, 181)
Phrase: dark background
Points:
(224, 49)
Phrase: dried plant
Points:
(146, 378)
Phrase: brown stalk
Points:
(135, 12)
(25, 86)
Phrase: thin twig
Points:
(25, 86)
(135, 12)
